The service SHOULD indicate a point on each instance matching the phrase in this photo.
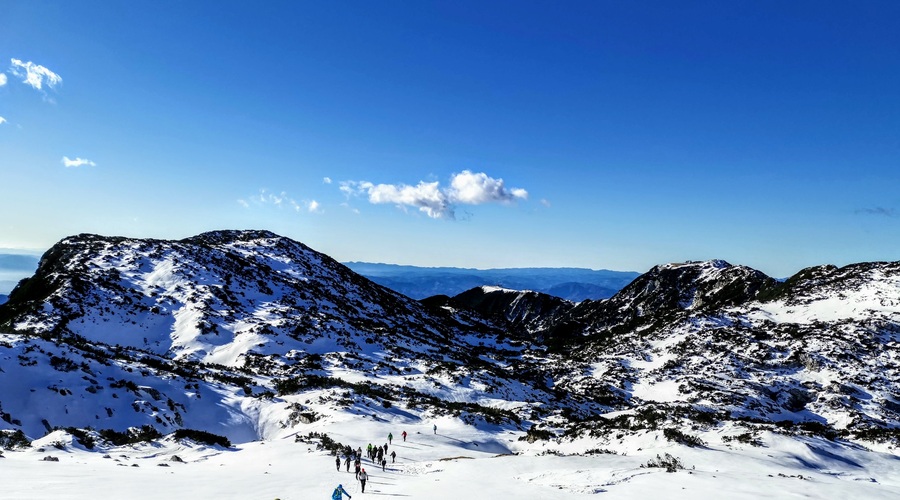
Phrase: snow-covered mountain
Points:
(115, 326)
(248, 335)
(714, 342)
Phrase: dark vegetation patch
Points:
(204, 437)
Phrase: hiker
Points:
(404, 436)
(435, 428)
(385, 447)
(393, 456)
(339, 493)
(363, 477)
(348, 463)
(383, 464)
(390, 437)
(337, 462)
(358, 465)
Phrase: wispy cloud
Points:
(326, 180)
(430, 198)
(352, 209)
(886, 212)
(2, 120)
(34, 74)
(77, 162)
(2, 79)
(279, 200)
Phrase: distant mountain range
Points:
(14, 267)
(573, 284)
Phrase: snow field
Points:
(459, 461)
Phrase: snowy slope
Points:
(750, 382)
(448, 465)
(234, 317)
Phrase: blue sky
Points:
(596, 134)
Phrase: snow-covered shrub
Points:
(677, 436)
(11, 440)
(202, 437)
(668, 462)
(535, 434)
(133, 435)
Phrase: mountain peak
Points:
(224, 236)
(694, 285)
(697, 264)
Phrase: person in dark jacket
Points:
(393, 456)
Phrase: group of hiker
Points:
(377, 454)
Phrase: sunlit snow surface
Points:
(458, 462)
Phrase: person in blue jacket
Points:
(339, 493)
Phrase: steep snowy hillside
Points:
(238, 316)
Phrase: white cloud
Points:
(426, 196)
(545, 202)
(34, 74)
(348, 188)
(466, 187)
(2, 79)
(474, 189)
(2, 120)
(313, 207)
(77, 162)
(326, 180)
